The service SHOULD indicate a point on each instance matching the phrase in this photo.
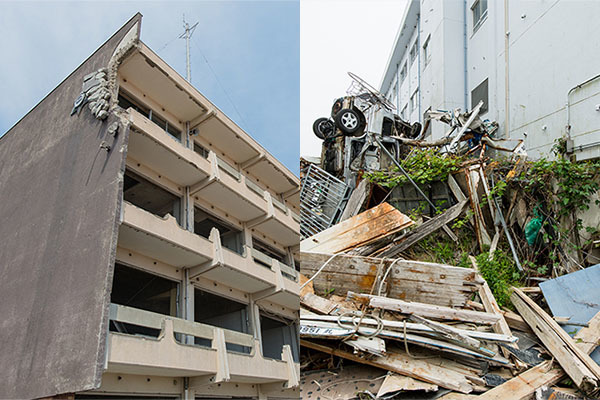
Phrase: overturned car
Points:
(359, 123)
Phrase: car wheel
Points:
(349, 121)
(323, 128)
(415, 130)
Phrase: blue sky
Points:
(252, 46)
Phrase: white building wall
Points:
(551, 49)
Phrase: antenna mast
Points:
(187, 34)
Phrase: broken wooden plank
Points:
(395, 383)
(472, 177)
(407, 280)
(401, 363)
(491, 306)
(318, 304)
(356, 200)
(405, 241)
(427, 310)
(361, 229)
(577, 364)
(522, 386)
(515, 321)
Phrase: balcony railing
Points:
(166, 356)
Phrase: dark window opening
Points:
(221, 312)
(231, 238)
(126, 101)
(203, 151)
(150, 197)
(269, 250)
(138, 289)
(277, 332)
(479, 10)
(480, 93)
(386, 129)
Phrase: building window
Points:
(127, 101)
(426, 51)
(413, 52)
(403, 73)
(231, 238)
(479, 10)
(480, 93)
(404, 113)
(414, 101)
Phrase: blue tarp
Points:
(576, 296)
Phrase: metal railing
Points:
(322, 198)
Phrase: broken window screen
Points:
(150, 197)
(139, 289)
(480, 93)
(479, 10)
(221, 312)
(231, 238)
(277, 332)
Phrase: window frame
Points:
(477, 7)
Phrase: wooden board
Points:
(363, 228)
(356, 200)
(423, 230)
(403, 364)
(407, 280)
(428, 310)
(521, 387)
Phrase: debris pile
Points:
(450, 270)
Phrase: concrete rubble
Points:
(437, 273)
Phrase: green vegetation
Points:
(500, 273)
(422, 165)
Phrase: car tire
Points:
(349, 121)
(415, 130)
(323, 128)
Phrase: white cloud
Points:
(337, 37)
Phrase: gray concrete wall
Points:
(61, 195)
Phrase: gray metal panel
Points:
(59, 212)
(577, 296)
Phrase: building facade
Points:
(533, 63)
(150, 244)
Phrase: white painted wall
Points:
(552, 48)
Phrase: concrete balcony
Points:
(163, 154)
(164, 240)
(165, 356)
(161, 238)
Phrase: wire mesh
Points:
(321, 199)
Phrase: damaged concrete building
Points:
(149, 243)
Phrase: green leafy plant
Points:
(500, 273)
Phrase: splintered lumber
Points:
(394, 383)
(515, 321)
(319, 304)
(405, 241)
(472, 176)
(401, 363)
(407, 280)
(522, 386)
(491, 306)
(427, 310)
(577, 364)
(356, 200)
(361, 229)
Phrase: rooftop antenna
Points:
(187, 34)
